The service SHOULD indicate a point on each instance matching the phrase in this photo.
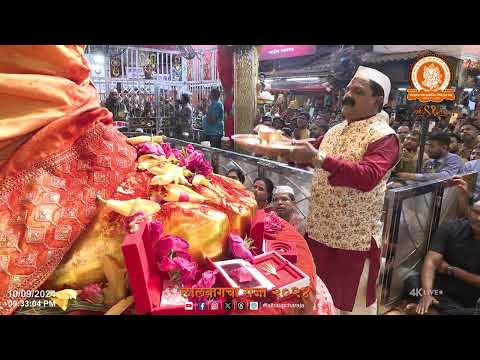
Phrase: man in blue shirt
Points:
(442, 163)
(213, 121)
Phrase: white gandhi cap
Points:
(283, 190)
(375, 75)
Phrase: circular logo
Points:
(431, 73)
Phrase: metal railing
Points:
(155, 75)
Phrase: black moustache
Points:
(348, 101)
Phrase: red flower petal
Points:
(207, 280)
(150, 148)
(241, 275)
(238, 248)
(166, 264)
(92, 293)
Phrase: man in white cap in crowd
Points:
(283, 199)
(352, 166)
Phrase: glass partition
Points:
(414, 219)
(413, 215)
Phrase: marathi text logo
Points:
(430, 77)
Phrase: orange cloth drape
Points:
(40, 84)
(58, 150)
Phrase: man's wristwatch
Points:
(450, 271)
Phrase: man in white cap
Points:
(283, 199)
(352, 166)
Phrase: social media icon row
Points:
(240, 305)
(227, 305)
